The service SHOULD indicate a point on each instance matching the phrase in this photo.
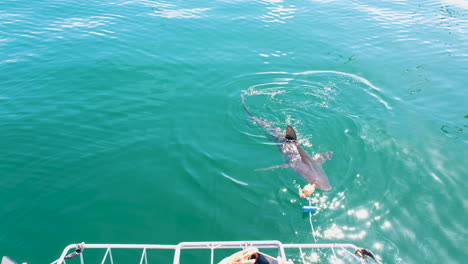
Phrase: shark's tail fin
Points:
(245, 106)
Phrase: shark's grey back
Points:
(297, 159)
(275, 132)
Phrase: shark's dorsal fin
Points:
(276, 167)
(290, 133)
(321, 158)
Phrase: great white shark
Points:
(310, 168)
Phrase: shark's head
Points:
(309, 168)
(313, 174)
(318, 178)
(323, 184)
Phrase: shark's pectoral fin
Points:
(321, 158)
(276, 167)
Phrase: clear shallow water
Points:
(121, 122)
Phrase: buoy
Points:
(308, 190)
(309, 209)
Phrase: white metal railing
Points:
(340, 253)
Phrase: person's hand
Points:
(241, 257)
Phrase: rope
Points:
(310, 221)
(334, 254)
(302, 255)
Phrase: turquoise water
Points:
(121, 122)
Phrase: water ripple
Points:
(125, 104)
(277, 12)
(93, 25)
(358, 78)
(325, 97)
(180, 13)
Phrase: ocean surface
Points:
(121, 122)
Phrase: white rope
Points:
(334, 254)
(311, 225)
(302, 255)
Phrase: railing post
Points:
(177, 254)
(212, 254)
(143, 256)
(111, 258)
(281, 251)
(105, 256)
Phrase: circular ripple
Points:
(331, 111)
(325, 107)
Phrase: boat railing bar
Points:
(196, 245)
